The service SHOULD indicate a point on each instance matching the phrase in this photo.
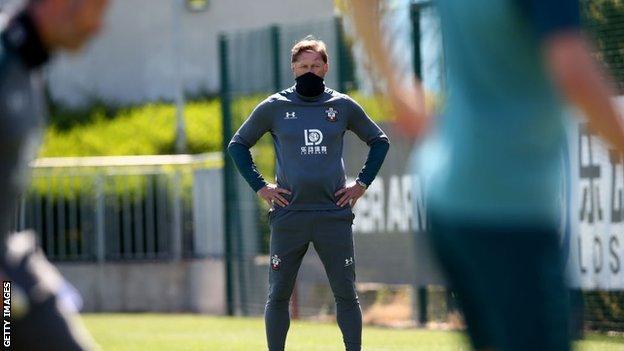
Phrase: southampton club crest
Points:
(275, 262)
(331, 114)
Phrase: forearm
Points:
(602, 115)
(406, 96)
(376, 156)
(243, 161)
(582, 82)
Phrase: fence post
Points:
(228, 186)
(60, 221)
(176, 240)
(178, 86)
(49, 220)
(415, 9)
(346, 79)
(277, 62)
(100, 215)
(422, 305)
(577, 317)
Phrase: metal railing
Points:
(120, 208)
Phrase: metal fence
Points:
(117, 208)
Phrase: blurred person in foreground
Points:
(41, 301)
(491, 162)
(311, 201)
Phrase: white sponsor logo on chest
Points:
(313, 139)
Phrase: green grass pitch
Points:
(173, 332)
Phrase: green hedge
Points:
(150, 129)
(143, 130)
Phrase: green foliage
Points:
(604, 310)
(146, 130)
(143, 130)
(150, 129)
(70, 183)
(373, 105)
(604, 20)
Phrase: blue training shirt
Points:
(495, 154)
(308, 135)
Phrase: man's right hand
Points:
(272, 195)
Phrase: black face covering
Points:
(310, 85)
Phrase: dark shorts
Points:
(509, 281)
(329, 232)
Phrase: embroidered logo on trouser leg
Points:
(275, 262)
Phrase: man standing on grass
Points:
(311, 201)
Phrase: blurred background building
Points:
(145, 44)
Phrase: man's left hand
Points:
(350, 194)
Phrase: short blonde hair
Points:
(308, 43)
